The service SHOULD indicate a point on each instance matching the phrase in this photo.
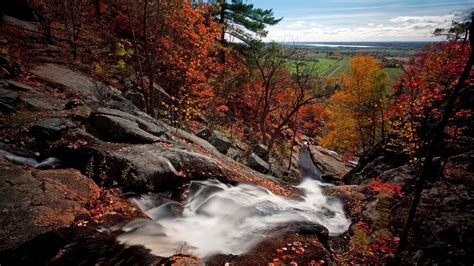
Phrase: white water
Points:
(46, 163)
(219, 218)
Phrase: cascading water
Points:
(219, 218)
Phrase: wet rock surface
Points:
(51, 128)
(36, 202)
(220, 141)
(258, 164)
(282, 248)
(329, 163)
(91, 91)
(119, 129)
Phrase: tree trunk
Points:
(222, 22)
(295, 130)
(97, 8)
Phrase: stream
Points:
(49, 162)
(218, 218)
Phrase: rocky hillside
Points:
(442, 232)
(74, 151)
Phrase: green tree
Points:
(243, 21)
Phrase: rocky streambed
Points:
(100, 152)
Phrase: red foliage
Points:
(386, 245)
(388, 188)
(420, 93)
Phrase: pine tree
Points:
(243, 21)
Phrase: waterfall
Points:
(217, 218)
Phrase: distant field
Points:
(334, 68)
(322, 65)
(393, 73)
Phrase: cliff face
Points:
(443, 228)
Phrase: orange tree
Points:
(356, 111)
(175, 44)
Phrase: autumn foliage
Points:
(356, 111)
(386, 188)
(421, 92)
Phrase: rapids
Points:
(222, 219)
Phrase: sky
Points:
(360, 20)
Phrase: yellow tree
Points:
(357, 119)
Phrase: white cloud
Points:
(422, 19)
(409, 28)
(297, 24)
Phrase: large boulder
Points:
(16, 94)
(220, 141)
(136, 98)
(258, 164)
(233, 153)
(120, 130)
(8, 102)
(115, 125)
(93, 92)
(143, 167)
(185, 137)
(34, 203)
(329, 163)
(51, 128)
(161, 166)
(9, 68)
(375, 162)
(262, 151)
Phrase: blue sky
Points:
(361, 20)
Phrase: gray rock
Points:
(258, 164)
(193, 139)
(8, 102)
(115, 128)
(136, 98)
(20, 23)
(262, 151)
(70, 79)
(51, 128)
(92, 92)
(240, 145)
(143, 167)
(220, 141)
(17, 86)
(143, 121)
(329, 163)
(233, 153)
(34, 203)
(27, 98)
(307, 167)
